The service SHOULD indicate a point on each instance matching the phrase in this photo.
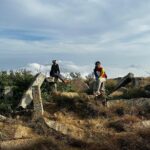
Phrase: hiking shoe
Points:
(98, 94)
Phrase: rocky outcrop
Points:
(28, 95)
(2, 118)
(142, 124)
(65, 129)
(79, 85)
(124, 81)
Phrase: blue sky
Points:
(116, 32)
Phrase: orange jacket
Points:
(100, 72)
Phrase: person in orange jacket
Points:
(100, 76)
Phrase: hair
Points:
(97, 63)
(53, 61)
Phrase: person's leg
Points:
(59, 76)
(98, 87)
(103, 94)
(102, 88)
(95, 87)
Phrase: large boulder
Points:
(66, 95)
(78, 85)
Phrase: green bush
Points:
(134, 93)
(20, 81)
(5, 108)
(65, 87)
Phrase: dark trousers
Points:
(58, 76)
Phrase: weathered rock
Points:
(23, 132)
(66, 129)
(137, 82)
(119, 92)
(6, 91)
(124, 81)
(28, 96)
(79, 85)
(116, 94)
(142, 124)
(2, 118)
(69, 94)
(38, 105)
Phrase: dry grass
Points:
(130, 119)
(104, 128)
(122, 124)
(118, 108)
(110, 85)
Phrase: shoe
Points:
(97, 94)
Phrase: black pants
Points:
(58, 76)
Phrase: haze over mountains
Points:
(68, 66)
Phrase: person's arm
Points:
(95, 73)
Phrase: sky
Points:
(77, 33)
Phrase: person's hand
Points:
(97, 78)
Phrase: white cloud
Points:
(36, 68)
(67, 67)
(118, 30)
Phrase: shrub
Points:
(65, 87)
(20, 81)
(117, 125)
(110, 85)
(134, 93)
(119, 108)
(81, 106)
(144, 109)
(5, 108)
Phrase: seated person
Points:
(55, 72)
